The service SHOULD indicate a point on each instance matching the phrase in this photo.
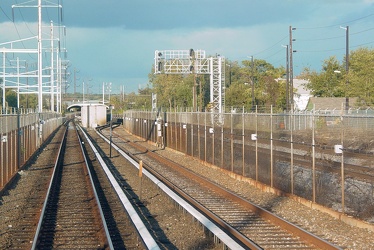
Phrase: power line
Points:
(5, 13)
(277, 43)
(335, 25)
(24, 21)
(326, 50)
(329, 50)
(334, 37)
(279, 51)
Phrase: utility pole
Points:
(52, 72)
(253, 83)
(40, 64)
(291, 66)
(346, 65)
(287, 77)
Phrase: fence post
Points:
(222, 137)
(271, 147)
(313, 157)
(291, 139)
(342, 159)
(198, 136)
(213, 140)
(186, 133)
(243, 148)
(232, 142)
(205, 136)
(256, 142)
(19, 138)
(175, 129)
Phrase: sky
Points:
(115, 41)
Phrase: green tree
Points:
(173, 90)
(267, 91)
(361, 76)
(329, 82)
(28, 100)
(11, 98)
(177, 90)
(239, 95)
(141, 100)
(333, 80)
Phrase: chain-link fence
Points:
(323, 156)
(21, 134)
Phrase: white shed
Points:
(93, 115)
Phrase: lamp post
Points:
(346, 64)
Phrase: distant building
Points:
(301, 95)
(92, 114)
(329, 104)
(303, 100)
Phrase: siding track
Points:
(243, 220)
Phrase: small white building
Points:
(301, 94)
(92, 115)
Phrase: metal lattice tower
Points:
(217, 83)
(195, 62)
(44, 78)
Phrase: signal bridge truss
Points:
(195, 62)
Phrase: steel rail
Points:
(57, 163)
(228, 235)
(142, 230)
(108, 237)
(311, 238)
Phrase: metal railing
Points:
(22, 133)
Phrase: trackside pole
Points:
(140, 178)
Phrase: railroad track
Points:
(253, 226)
(55, 205)
(71, 215)
(30, 195)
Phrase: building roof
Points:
(329, 103)
(299, 86)
(80, 105)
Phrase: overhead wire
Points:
(24, 21)
(275, 44)
(16, 27)
(335, 37)
(2, 10)
(337, 25)
(322, 39)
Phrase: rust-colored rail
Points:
(241, 218)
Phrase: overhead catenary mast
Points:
(39, 52)
(40, 63)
